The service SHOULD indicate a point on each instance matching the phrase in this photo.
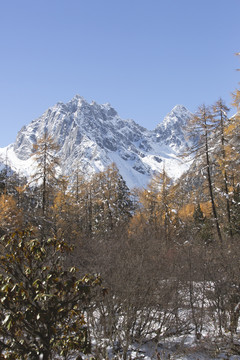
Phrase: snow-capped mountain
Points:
(91, 136)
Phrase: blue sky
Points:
(142, 56)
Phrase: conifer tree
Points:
(3, 180)
(201, 128)
(11, 217)
(202, 227)
(162, 184)
(111, 201)
(44, 153)
(221, 123)
(236, 210)
(61, 211)
(156, 206)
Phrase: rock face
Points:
(91, 136)
(171, 130)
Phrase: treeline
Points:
(165, 259)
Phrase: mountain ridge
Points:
(91, 136)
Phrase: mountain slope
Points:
(91, 136)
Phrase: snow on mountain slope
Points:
(91, 136)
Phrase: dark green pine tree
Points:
(235, 218)
(3, 180)
(124, 201)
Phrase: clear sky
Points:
(142, 56)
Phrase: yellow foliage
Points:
(187, 211)
(10, 215)
(21, 189)
(206, 208)
(137, 224)
(236, 99)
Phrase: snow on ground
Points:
(174, 348)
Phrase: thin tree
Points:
(200, 129)
(44, 152)
(221, 122)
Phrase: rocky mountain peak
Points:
(178, 115)
(172, 130)
(91, 136)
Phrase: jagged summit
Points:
(91, 136)
(179, 114)
(172, 130)
(178, 108)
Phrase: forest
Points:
(90, 267)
